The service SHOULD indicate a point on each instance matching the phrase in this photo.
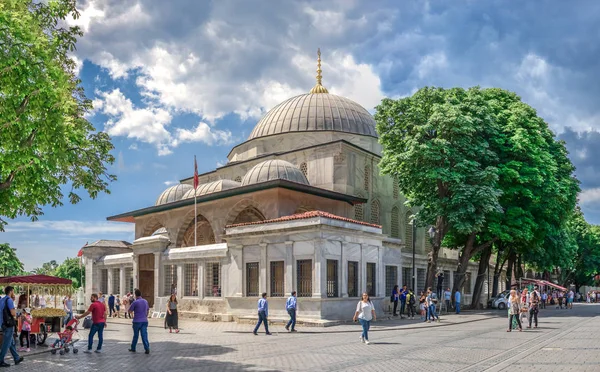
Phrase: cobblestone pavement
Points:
(565, 341)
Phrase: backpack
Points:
(8, 320)
(411, 299)
(87, 322)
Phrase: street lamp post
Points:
(414, 242)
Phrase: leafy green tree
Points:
(45, 140)
(10, 265)
(584, 263)
(436, 145)
(70, 269)
(48, 268)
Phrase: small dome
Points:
(272, 170)
(313, 113)
(209, 188)
(173, 194)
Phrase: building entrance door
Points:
(146, 277)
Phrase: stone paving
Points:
(565, 341)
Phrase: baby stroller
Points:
(65, 339)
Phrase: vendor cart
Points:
(47, 320)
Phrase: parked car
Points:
(500, 301)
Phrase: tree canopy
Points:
(46, 143)
(10, 265)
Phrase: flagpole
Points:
(195, 210)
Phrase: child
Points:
(25, 330)
(64, 337)
(117, 307)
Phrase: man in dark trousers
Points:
(290, 306)
(111, 305)
(140, 309)
(8, 322)
(98, 311)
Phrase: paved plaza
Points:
(565, 341)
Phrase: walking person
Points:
(291, 305)
(8, 322)
(570, 297)
(422, 306)
(431, 303)
(457, 296)
(140, 309)
(534, 302)
(118, 306)
(68, 307)
(525, 297)
(447, 299)
(263, 313)
(395, 297)
(514, 311)
(403, 293)
(365, 312)
(544, 299)
(26, 321)
(111, 305)
(98, 311)
(560, 300)
(126, 305)
(172, 317)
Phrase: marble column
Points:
(320, 271)
(264, 275)
(122, 284)
(380, 290)
(157, 275)
(179, 284)
(362, 285)
(136, 271)
(343, 271)
(289, 268)
(109, 284)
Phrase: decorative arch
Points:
(151, 226)
(375, 212)
(249, 214)
(241, 206)
(395, 221)
(204, 233)
(408, 230)
(303, 209)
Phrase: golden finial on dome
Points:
(319, 88)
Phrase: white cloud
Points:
(169, 183)
(202, 133)
(72, 228)
(589, 196)
(431, 63)
(133, 147)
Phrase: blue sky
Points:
(174, 79)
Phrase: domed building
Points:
(300, 206)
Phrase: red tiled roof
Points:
(306, 215)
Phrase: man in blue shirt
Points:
(403, 300)
(111, 305)
(290, 306)
(263, 313)
(447, 297)
(7, 308)
(457, 301)
(140, 309)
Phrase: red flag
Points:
(195, 173)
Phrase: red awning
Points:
(34, 280)
(550, 284)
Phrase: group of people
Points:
(137, 310)
(523, 305)
(428, 301)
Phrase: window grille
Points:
(277, 279)
(421, 280)
(367, 180)
(252, 275)
(170, 279)
(408, 231)
(190, 279)
(212, 286)
(129, 279)
(304, 169)
(375, 212)
(395, 228)
(391, 278)
(358, 212)
(395, 191)
(116, 281)
(407, 277)
(332, 278)
(104, 280)
(352, 279)
(371, 279)
(304, 278)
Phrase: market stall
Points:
(45, 320)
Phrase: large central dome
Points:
(316, 111)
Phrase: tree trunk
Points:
(432, 257)
(484, 264)
(512, 256)
(519, 269)
(501, 259)
(463, 263)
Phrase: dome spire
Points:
(318, 88)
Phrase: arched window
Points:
(375, 212)
(204, 233)
(367, 180)
(395, 192)
(238, 179)
(249, 214)
(409, 231)
(304, 169)
(395, 228)
(358, 212)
